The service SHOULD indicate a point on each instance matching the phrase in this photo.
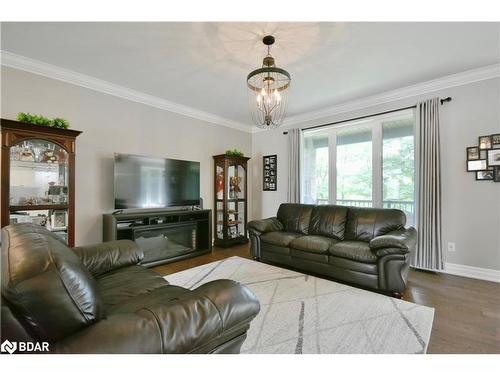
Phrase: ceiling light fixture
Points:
(268, 91)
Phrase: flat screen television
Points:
(144, 182)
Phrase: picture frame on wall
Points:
(477, 165)
(270, 173)
(493, 157)
(473, 153)
(496, 175)
(485, 142)
(486, 175)
(495, 140)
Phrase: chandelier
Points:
(268, 91)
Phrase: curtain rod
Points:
(445, 100)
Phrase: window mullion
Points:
(332, 166)
(377, 164)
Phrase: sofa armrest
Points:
(108, 256)
(194, 322)
(399, 241)
(271, 224)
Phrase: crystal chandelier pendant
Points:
(268, 90)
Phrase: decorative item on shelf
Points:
(236, 153)
(268, 90)
(57, 193)
(49, 157)
(27, 154)
(219, 185)
(270, 172)
(484, 159)
(58, 220)
(42, 120)
(234, 187)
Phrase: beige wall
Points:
(471, 209)
(110, 125)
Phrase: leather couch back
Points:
(46, 283)
(340, 222)
(363, 224)
(329, 221)
(295, 217)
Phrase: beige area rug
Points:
(305, 314)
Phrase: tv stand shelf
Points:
(164, 235)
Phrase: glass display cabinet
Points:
(230, 213)
(38, 177)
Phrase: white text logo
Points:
(21, 346)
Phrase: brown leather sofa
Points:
(369, 247)
(97, 299)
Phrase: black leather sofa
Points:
(369, 247)
(97, 299)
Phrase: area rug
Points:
(305, 314)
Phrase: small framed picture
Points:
(270, 172)
(477, 165)
(485, 142)
(494, 157)
(495, 140)
(496, 176)
(58, 220)
(473, 153)
(487, 175)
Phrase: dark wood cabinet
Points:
(163, 235)
(230, 200)
(38, 177)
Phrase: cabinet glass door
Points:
(219, 195)
(38, 190)
(236, 199)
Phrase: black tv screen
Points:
(143, 182)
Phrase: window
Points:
(315, 174)
(368, 163)
(354, 166)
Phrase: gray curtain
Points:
(428, 186)
(293, 195)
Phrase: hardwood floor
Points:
(467, 311)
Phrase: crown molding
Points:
(41, 68)
(19, 62)
(453, 80)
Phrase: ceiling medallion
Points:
(268, 90)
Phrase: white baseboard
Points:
(472, 272)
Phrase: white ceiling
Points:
(204, 65)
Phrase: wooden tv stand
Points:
(164, 235)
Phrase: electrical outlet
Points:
(451, 246)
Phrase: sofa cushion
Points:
(328, 220)
(47, 283)
(279, 238)
(355, 250)
(313, 244)
(281, 250)
(120, 286)
(295, 217)
(306, 255)
(160, 296)
(364, 224)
